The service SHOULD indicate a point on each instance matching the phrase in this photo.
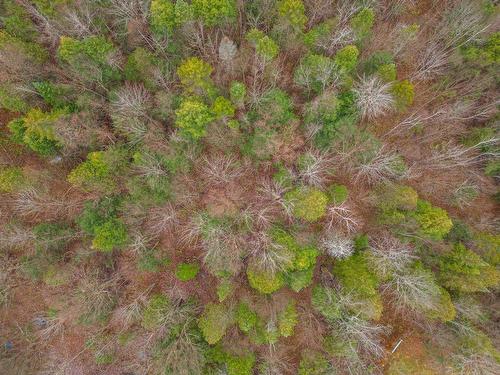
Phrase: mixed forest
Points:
(249, 187)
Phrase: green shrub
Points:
(485, 53)
(337, 194)
(488, 245)
(462, 270)
(150, 262)
(238, 92)
(52, 238)
(97, 213)
(315, 72)
(36, 130)
(140, 67)
(433, 221)
(110, 235)
(245, 317)
(382, 64)
(155, 311)
(282, 176)
(319, 34)
(362, 22)
(54, 95)
(492, 168)
(263, 44)
(240, 365)
(17, 130)
(264, 281)
(406, 365)
(403, 94)
(313, 363)
(357, 278)
(214, 12)
(398, 197)
(225, 289)
(307, 203)
(338, 118)
(192, 118)
(355, 275)
(298, 280)
(186, 271)
(16, 21)
(276, 108)
(31, 52)
(87, 55)
(326, 301)
(293, 11)
(361, 242)
(288, 319)
(214, 322)
(460, 232)
(103, 359)
(387, 72)
(12, 179)
(10, 101)
(100, 170)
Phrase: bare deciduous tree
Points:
(373, 97)
(336, 245)
(341, 216)
(221, 170)
(315, 169)
(129, 111)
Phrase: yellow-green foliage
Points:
(245, 317)
(403, 94)
(307, 203)
(31, 51)
(264, 281)
(165, 16)
(313, 363)
(293, 11)
(36, 130)
(288, 319)
(99, 171)
(357, 278)
(192, 118)
(154, 312)
(433, 221)
(240, 365)
(263, 44)
(347, 58)
(362, 22)
(214, 12)
(95, 48)
(109, 236)
(187, 271)
(223, 108)
(214, 322)
(408, 365)
(194, 74)
(225, 289)
(462, 270)
(397, 197)
(11, 179)
(445, 310)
